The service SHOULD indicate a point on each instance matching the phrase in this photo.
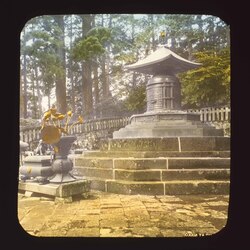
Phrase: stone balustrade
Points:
(32, 134)
(213, 114)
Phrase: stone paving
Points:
(114, 215)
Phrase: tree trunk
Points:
(70, 69)
(87, 91)
(190, 49)
(21, 108)
(105, 69)
(86, 72)
(34, 110)
(49, 101)
(61, 77)
(151, 23)
(96, 90)
(24, 81)
(39, 94)
(201, 41)
(96, 84)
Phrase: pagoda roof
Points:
(162, 61)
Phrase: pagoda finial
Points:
(162, 37)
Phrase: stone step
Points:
(157, 132)
(154, 154)
(173, 174)
(173, 125)
(166, 122)
(176, 144)
(153, 175)
(184, 187)
(152, 163)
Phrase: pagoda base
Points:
(166, 124)
(158, 166)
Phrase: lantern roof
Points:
(162, 61)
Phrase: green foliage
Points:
(136, 100)
(92, 45)
(208, 85)
(87, 48)
(102, 34)
(44, 54)
(128, 38)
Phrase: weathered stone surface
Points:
(150, 154)
(94, 172)
(123, 187)
(156, 132)
(168, 144)
(114, 223)
(83, 232)
(193, 163)
(142, 144)
(123, 162)
(148, 163)
(126, 216)
(138, 175)
(73, 188)
(146, 231)
(196, 187)
(209, 174)
(205, 143)
(223, 144)
(58, 190)
(94, 162)
(59, 200)
(98, 184)
(159, 124)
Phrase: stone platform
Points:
(166, 124)
(158, 166)
(115, 215)
(63, 191)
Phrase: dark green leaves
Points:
(208, 85)
(92, 45)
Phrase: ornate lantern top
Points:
(161, 62)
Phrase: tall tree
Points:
(87, 21)
(48, 42)
(87, 50)
(24, 74)
(60, 74)
(208, 85)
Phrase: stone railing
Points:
(32, 134)
(213, 114)
(100, 124)
(29, 134)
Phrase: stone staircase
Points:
(158, 166)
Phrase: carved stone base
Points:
(64, 190)
(166, 124)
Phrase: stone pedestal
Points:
(64, 191)
(166, 124)
(158, 166)
(164, 117)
